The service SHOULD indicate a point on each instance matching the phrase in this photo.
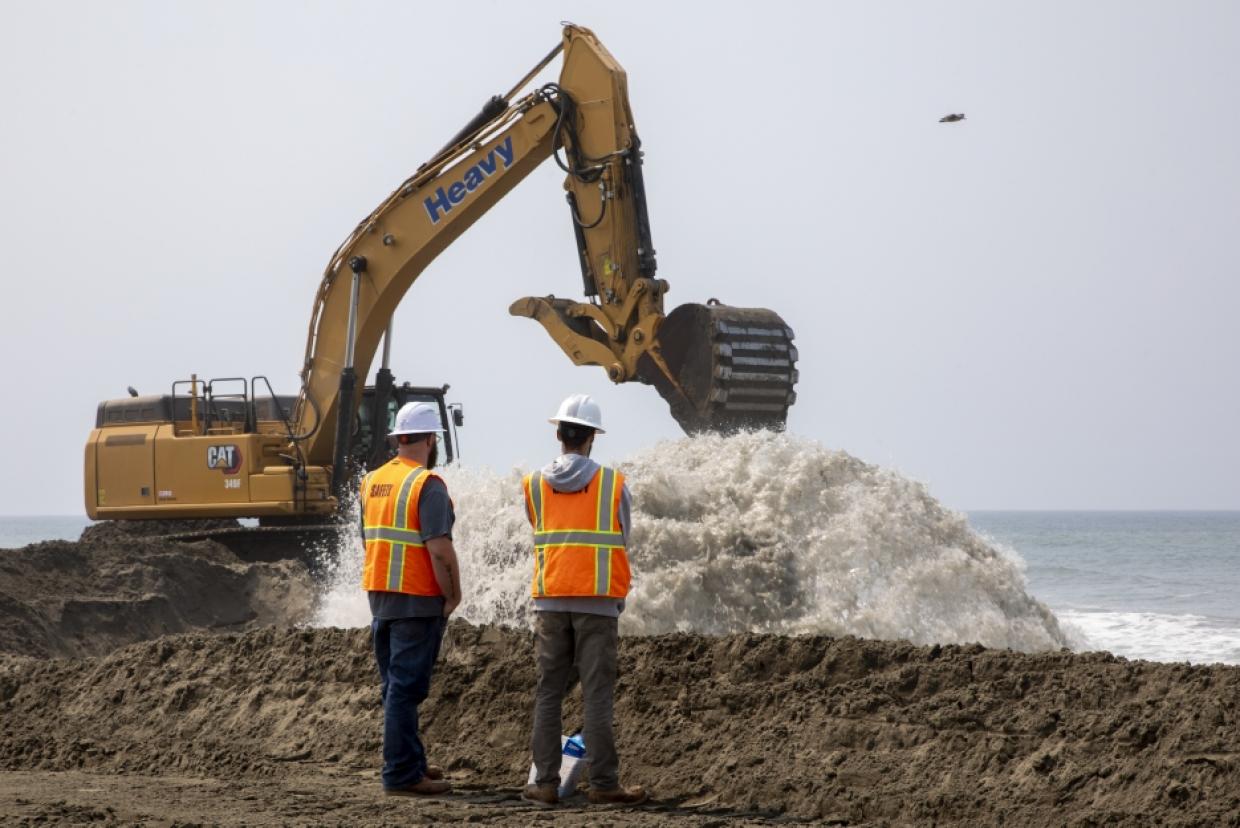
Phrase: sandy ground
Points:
(812, 728)
(117, 586)
(309, 795)
(244, 720)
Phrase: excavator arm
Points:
(718, 367)
(597, 146)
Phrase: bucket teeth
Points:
(736, 365)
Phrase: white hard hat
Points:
(416, 418)
(580, 409)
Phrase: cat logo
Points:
(225, 458)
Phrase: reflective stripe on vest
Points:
(396, 556)
(407, 536)
(579, 548)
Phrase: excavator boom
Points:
(374, 268)
(719, 367)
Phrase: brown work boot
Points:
(541, 794)
(635, 795)
(423, 787)
(433, 772)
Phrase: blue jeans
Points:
(405, 650)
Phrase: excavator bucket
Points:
(734, 368)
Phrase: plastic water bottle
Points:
(572, 763)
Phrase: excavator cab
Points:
(376, 416)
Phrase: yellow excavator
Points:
(221, 449)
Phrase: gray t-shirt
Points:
(436, 516)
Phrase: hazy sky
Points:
(1035, 308)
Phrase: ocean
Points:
(1163, 586)
(17, 531)
(1160, 586)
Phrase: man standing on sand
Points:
(414, 584)
(580, 514)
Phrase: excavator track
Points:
(736, 367)
(312, 543)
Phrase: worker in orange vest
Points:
(413, 582)
(580, 514)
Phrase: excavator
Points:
(220, 449)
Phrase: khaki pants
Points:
(565, 640)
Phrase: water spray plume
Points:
(756, 532)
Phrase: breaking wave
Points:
(755, 532)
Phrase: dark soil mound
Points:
(118, 585)
(814, 727)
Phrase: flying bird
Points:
(951, 119)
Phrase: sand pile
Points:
(813, 727)
(120, 584)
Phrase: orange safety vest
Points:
(396, 557)
(578, 545)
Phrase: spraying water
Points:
(756, 532)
